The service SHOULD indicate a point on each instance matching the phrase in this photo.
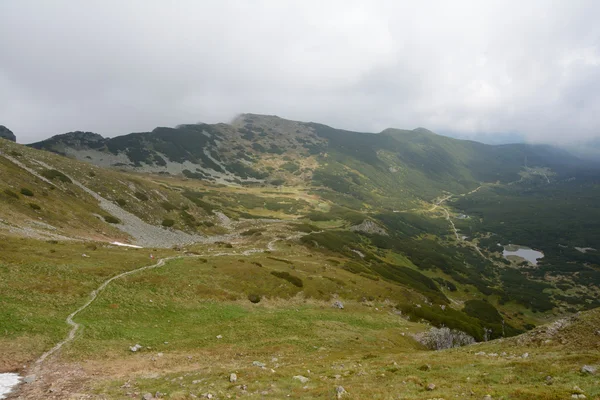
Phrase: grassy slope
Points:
(177, 312)
(43, 282)
(73, 211)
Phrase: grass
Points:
(42, 283)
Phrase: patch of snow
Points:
(7, 382)
(126, 245)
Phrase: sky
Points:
(485, 70)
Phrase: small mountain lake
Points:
(7, 382)
(522, 251)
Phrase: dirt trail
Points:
(93, 295)
(449, 219)
(34, 372)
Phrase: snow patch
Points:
(126, 245)
(7, 382)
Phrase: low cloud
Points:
(474, 69)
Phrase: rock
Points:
(368, 226)
(301, 378)
(219, 336)
(233, 378)
(525, 355)
(7, 134)
(147, 396)
(487, 397)
(338, 304)
(577, 390)
(135, 348)
(339, 391)
(481, 353)
(29, 379)
(588, 369)
(258, 364)
(430, 387)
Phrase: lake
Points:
(524, 252)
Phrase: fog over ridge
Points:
(468, 68)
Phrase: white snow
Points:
(7, 382)
(126, 245)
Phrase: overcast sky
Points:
(479, 68)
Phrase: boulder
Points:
(338, 304)
(135, 348)
(301, 378)
(588, 369)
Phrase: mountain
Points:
(393, 168)
(7, 134)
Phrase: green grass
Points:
(42, 283)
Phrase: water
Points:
(7, 382)
(524, 252)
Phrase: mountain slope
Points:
(394, 168)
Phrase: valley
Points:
(306, 261)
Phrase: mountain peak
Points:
(423, 130)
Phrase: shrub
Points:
(254, 298)
(294, 280)
(141, 196)
(121, 202)
(26, 192)
(52, 174)
(168, 206)
(35, 206)
(167, 223)
(112, 220)
(92, 174)
(10, 193)
(482, 310)
(188, 219)
(252, 231)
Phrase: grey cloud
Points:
(469, 67)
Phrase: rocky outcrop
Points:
(368, 226)
(7, 134)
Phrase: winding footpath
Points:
(449, 219)
(93, 295)
(34, 372)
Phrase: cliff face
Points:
(6, 133)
